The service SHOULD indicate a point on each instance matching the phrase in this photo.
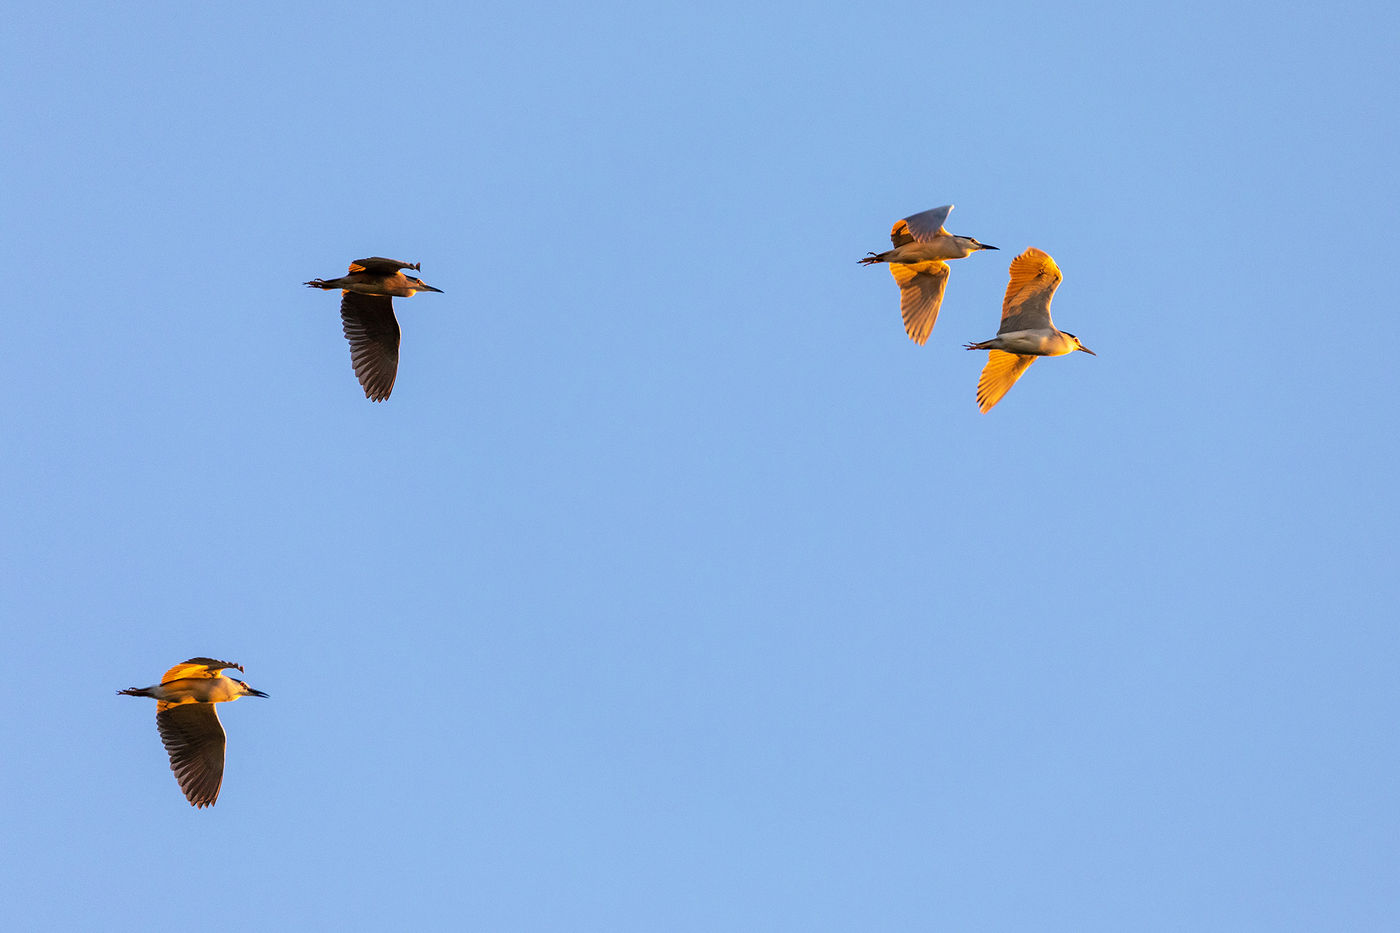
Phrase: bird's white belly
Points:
(1035, 342)
(392, 290)
(941, 248)
(198, 689)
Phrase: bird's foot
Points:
(316, 283)
(869, 258)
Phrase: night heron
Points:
(920, 246)
(189, 727)
(1026, 329)
(367, 314)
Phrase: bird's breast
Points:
(199, 690)
(1035, 342)
(941, 248)
(383, 289)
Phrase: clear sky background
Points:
(674, 588)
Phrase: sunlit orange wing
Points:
(999, 375)
(1034, 278)
(197, 667)
(921, 287)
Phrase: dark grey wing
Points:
(195, 740)
(923, 226)
(215, 665)
(373, 333)
(381, 266)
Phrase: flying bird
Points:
(367, 315)
(1026, 329)
(920, 246)
(189, 727)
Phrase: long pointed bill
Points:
(256, 693)
(428, 288)
(985, 246)
(1087, 350)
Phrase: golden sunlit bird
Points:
(1026, 329)
(367, 314)
(189, 727)
(920, 246)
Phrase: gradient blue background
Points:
(674, 588)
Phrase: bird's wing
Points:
(1034, 278)
(373, 333)
(923, 226)
(920, 295)
(381, 266)
(197, 667)
(195, 742)
(999, 375)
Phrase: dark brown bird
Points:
(367, 314)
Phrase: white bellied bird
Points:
(1026, 329)
(916, 262)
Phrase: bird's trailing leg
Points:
(318, 283)
(869, 258)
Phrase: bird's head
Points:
(1077, 344)
(972, 245)
(418, 285)
(246, 691)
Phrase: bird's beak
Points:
(255, 693)
(429, 288)
(1087, 350)
(985, 246)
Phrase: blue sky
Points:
(674, 588)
